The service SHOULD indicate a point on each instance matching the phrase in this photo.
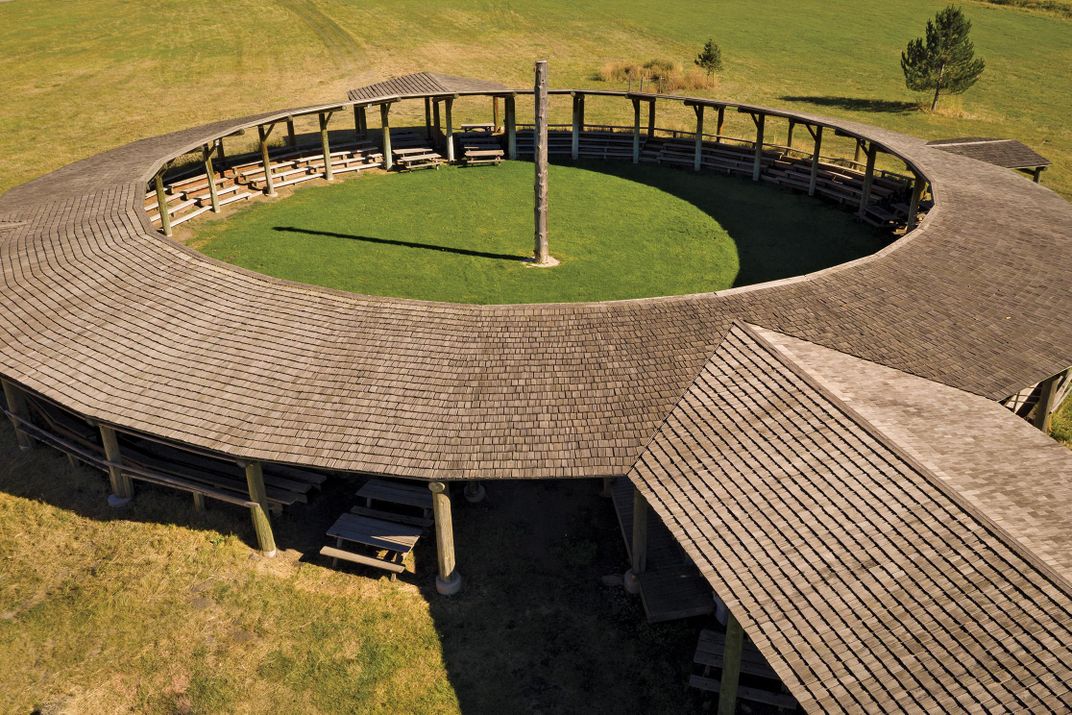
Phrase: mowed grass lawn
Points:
(463, 235)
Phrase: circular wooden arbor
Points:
(118, 343)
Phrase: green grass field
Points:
(462, 235)
(158, 609)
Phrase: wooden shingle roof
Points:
(101, 314)
(1008, 153)
(868, 584)
(424, 83)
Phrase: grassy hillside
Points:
(90, 74)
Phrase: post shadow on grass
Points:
(856, 104)
(777, 233)
(406, 244)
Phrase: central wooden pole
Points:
(731, 667)
(540, 255)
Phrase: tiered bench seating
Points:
(763, 685)
(672, 587)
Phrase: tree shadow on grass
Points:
(856, 104)
(406, 244)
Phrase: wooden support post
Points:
(607, 490)
(1043, 417)
(721, 123)
(16, 407)
(638, 543)
(259, 509)
(757, 165)
(697, 159)
(435, 122)
(575, 143)
(818, 134)
(448, 580)
(541, 255)
(731, 667)
(913, 204)
(266, 161)
(428, 117)
(859, 151)
(223, 157)
(388, 158)
(325, 144)
(869, 178)
(292, 138)
(511, 127)
(448, 117)
(199, 501)
(651, 119)
(210, 175)
(636, 131)
(494, 114)
(161, 203)
(122, 488)
(581, 120)
(789, 135)
(1036, 175)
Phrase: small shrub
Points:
(665, 75)
(710, 58)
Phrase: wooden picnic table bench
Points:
(487, 127)
(395, 539)
(410, 495)
(474, 157)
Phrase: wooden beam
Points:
(913, 204)
(435, 123)
(494, 114)
(259, 510)
(640, 533)
(731, 667)
(757, 165)
(448, 580)
(388, 158)
(292, 138)
(541, 254)
(575, 136)
(817, 135)
(789, 134)
(859, 151)
(266, 162)
(651, 119)
(869, 178)
(448, 117)
(428, 117)
(206, 158)
(697, 159)
(122, 488)
(511, 127)
(636, 131)
(161, 203)
(721, 123)
(582, 111)
(16, 405)
(1043, 417)
(222, 155)
(325, 144)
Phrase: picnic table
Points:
(395, 539)
(397, 494)
(486, 127)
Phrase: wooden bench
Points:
(391, 537)
(709, 654)
(420, 161)
(486, 127)
(397, 494)
(476, 157)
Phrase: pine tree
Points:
(945, 61)
(710, 59)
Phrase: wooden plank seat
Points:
(712, 644)
(485, 127)
(336, 554)
(220, 192)
(190, 214)
(781, 701)
(420, 161)
(422, 522)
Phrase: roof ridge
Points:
(910, 460)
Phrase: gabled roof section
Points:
(1014, 473)
(424, 83)
(1008, 153)
(865, 581)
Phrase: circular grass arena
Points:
(463, 234)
